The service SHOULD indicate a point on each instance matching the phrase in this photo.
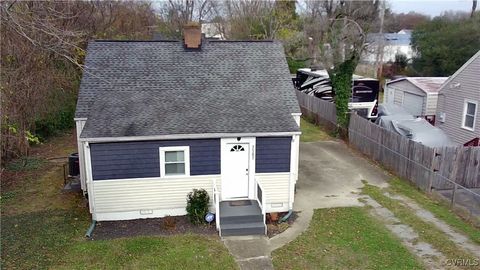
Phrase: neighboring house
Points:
(458, 110)
(393, 44)
(213, 30)
(418, 95)
(157, 119)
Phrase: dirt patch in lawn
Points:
(152, 226)
(274, 228)
(41, 159)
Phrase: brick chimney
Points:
(192, 36)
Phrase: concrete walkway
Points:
(250, 252)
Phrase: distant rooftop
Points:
(403, 37)
(427, 84)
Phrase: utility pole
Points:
(381, 44)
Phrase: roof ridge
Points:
(249, 40)
(132, 40)
(174, 40)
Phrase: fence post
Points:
(452, 203)
(431, 175)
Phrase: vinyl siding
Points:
(451, 102)
(276, 189)
(276, 186)
(147, 194)
(125, 160)
(402, 87)
(272, 154)
(431, 106)
(398, 97)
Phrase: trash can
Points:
(73, 165)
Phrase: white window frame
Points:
(464, 114)
(186, 156)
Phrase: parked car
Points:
(396, 119)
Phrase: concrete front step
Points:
(253, 228)
(241, 218)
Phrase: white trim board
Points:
(140, 214)
(190, 136)
(179, 177)
(475, 56)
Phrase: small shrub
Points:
(197, 205)
(169, 222)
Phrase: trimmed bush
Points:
(197, 205)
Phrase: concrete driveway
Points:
(330, 175)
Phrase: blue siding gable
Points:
(122, 160)
(273, 154)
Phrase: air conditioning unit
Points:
(441, 117)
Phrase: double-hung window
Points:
(174, 161)
(469, 113)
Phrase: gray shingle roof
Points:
(159, 88)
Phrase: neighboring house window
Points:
(469, 113)
(174, 161)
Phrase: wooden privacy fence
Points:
(322, 110)
(429, 168)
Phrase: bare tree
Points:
(42, 51)
(338, 30)
(176, 13)
(249, 19)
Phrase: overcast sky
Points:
(430, 7)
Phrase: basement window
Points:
(469, 113)
(174, 161)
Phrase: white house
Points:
(393, 44)
(157, 119)
(213, 30)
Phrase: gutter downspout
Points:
(89, 232)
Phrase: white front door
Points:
(235, 172)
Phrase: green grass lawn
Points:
(345, 238)
(312, 132)
(54, 239)
(43, 228)
(440, 209)
(426, 231)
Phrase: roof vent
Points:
(192, 36)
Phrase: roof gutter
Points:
(188, 136)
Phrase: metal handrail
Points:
(216, 202)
